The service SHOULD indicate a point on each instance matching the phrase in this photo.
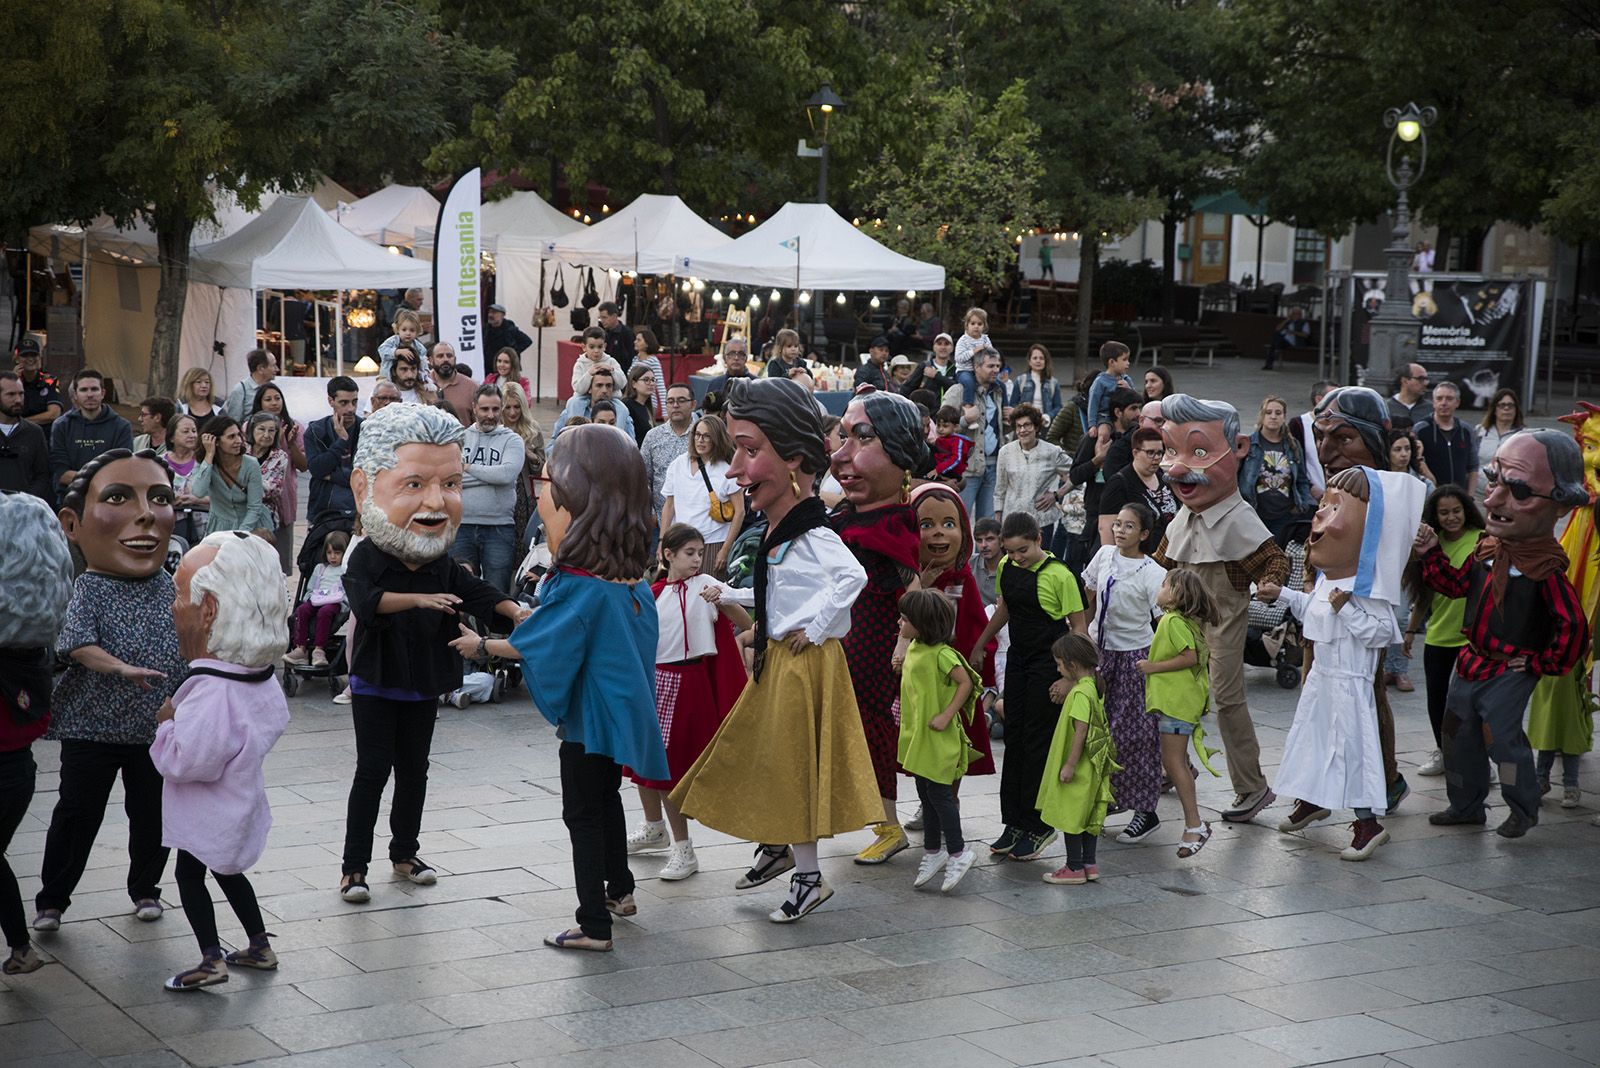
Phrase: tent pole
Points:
(27, 295)
(338, 331)
(538, 354)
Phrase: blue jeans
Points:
(491, 550)
(978, 493)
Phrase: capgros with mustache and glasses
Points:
(407, 481)
(1203, 450)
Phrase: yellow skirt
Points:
(790, 762)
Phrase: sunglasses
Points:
(1517, 488)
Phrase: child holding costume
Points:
(1177, 690)
(1076, 789)
(1121, 585)
(937, 686)
(589, 654)
(699, 675)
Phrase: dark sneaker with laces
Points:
(1006, 842)
(1399, 790)
(1515, 826)
(1303, 816)
(1368, 835)
(1142, 824)
(1032, 846)
(1453, 817)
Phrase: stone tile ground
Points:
(1451, 947)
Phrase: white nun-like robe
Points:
(1333, 758)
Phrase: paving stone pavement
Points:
(1450, 948)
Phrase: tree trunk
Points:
(1169, 270)
(1088, 260)
(172, 244)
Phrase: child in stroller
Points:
(324, 602)
(1273, 636)
(312, 559)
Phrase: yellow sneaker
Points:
(891, 840)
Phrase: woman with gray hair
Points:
(885, 443)
(35, 587)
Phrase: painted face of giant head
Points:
(1336, 531)
(1340, 443)
(941, 524)
(412, 510)
(127, 518)
(1202, 465)
(867, 475)
(760, 471)
(1520, 465)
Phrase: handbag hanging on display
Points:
(558, 289)
(721, 511)
(591, 295)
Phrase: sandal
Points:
(771, 861)
(211, 971)
(622, 906)
(23, 959)
(576, 939)
(353, 888)
(1187, 849)
(258, 954)
(417, 870)
(813, 892)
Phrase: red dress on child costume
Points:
(693, 696)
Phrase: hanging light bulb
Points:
(755, 300)
(911, 294)
(687, 285)
(605, 209)
(874, 302)
(699, 285)
(805, 297)
(776, 296)
(586, 218)
(839, 299)
(752, 218)
(733, 296)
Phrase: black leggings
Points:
(17, 774)
(941, 816)
(1437, 663)
(196, 899)
(1080, 849)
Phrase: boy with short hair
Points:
(951, 449)
(1116, 357)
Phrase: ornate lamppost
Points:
(1393, 330)
(819, 109)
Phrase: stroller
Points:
(306, 562)
(1273, 637)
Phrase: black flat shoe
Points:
(1451, 818)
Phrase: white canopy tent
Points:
(647, 236)
(391, 216)
(522, 222)
(295, 245)
(810, 246)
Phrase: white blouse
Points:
(688, 621)
(1126, 615)
(812, 582)
(691, 501)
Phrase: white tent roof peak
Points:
(522, 222)
(294, 244)
(391, 216)
(828, 252)
(646, 236)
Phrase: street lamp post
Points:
(823, 103)
(1393, 337)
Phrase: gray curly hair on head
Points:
(1182, 408)
(900, 427)
(251, 628)
(35, 574)
(394, 425)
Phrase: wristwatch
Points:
(483, 649)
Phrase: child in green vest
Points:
(936, 686)
(1176, 691)
(1076, 789)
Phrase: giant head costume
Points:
(1352, 429)
(1203, 449)
(778, 441)
(1362, 532)
(885, 444)
(35, 587)
(1535, 478)
(231, 604)
(119, 513)
(407, 481)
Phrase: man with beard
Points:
(407, 597)
(1219, 537)
(1351, 430)
(24, 452)
(455, 389)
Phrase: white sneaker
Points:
(681, 862)
(1571, 797)
(931, 865)
(459, 698)
(344, 698)
(296, 656)
(651, 837)
(915, 822)
(959, 865)
(1434, 765)
(319, 658)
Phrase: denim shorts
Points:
(1165, 724)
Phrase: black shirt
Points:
(25, 462)
(1452, 455)
(619, 345)
(1093, 479)
(410, 650)
(39, 394)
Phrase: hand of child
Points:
(897, 661)
(1338, 598)
(166, 711)
(1405, 645)
(1144, 667)
(711, 594)
(975, 658)
(467, 644)
(1067, 772)
(144, 678)
(1059, 690)
(439, 602)
(1267, 592)
(939, 722)
(797, 641)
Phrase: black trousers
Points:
(88, 771)
(1438, 661)
(1081, 850)
(17, 775)
(591, 807)
(391, 736)
(190, 876)
(941, 816)
(1483, 722)
(1030, 724)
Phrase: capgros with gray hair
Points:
(394, 425)
(35, 573)
(1566, 466)
(1182, 408)
(251, 627)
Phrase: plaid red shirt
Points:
(1485, 654)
